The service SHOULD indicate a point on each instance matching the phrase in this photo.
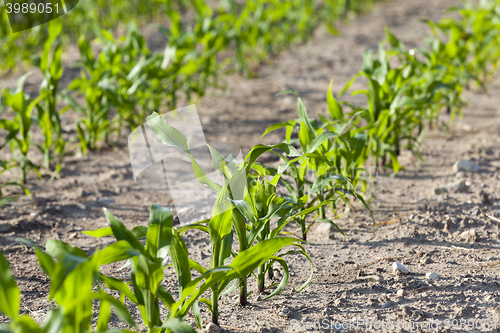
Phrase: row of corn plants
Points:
(90, 15)
(126, 80)
(320, 166)
(247, 208)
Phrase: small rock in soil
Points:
(447, 224)
(460, 174)
(324, 228)
(398, 268)
(432, 276)
(466, 166)
(374, 278)
(485, 198)
(401, 293)
(469, 235)
(427, 260)
(105, 201)
(211, 327)
(5, 227)
(406, 310)
(387, 305)
(454, 187)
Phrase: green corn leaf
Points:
(245, 262)
(140, 231)
(54, 321)
(115, 252)
(46, 262)
(303, 252)
(314, 144)
(220, 223)
(274, 127)
(166, 133)
(26, 324)
(103, 232)
(104, 316)
(258, 150)
(180, 258)
(118, 285)
(166, 298)
(197, 315)
(285, 278)
(121, 232)
(159, 236)
(58, 249)
(9, 293)
(178, 326)
(333, 106)
(324, 181)
(120, 309)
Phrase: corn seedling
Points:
(322, 149)
(19, 129)
(72, 277)
(48, 115)
(241, 199)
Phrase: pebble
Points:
(324, 228)
(406, 310)
(387, 305)
(374, 278)
(282, 314)
(454, 187)
(465, 165)
(427, 260)
(5, 227)
(105, 201)
(447, 224)
(81, 206)
(397, 267)
(460, 174)
(432, 276)
(211, 327)
(401, 293)
(469, 235)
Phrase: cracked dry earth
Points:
(428, 218)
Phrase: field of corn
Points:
(351, 115)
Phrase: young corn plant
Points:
(72, 276)
(95, 126)
(321, 154)
(147, 271)
(478, 26)
(246, 204)
(400, 100)
(48, 115)
(18, 130)
(4, 166)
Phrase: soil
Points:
(452, 234)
